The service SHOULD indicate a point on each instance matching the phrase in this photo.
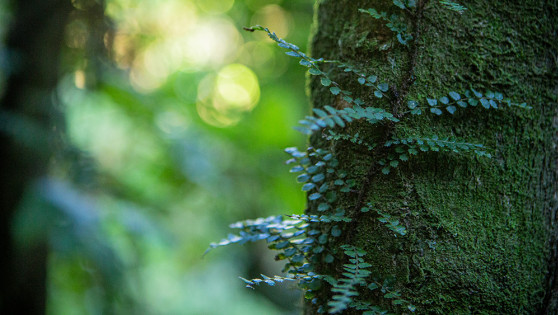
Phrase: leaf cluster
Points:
(392, 223)
(394, 22)
(356, 139)
(453, 6)
(305, 240)
(331, 117)
(470, 98)
(346, 289)
(403, 149)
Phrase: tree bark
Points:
(482, 233)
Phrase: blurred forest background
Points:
(171, 125)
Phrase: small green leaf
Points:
(323, 206)
(319, 112)
(312, 169)
(473, 102)
(386, 170)
(308, 186)
(477, 94)
(305, 63)
(347, 98)
(297, 168)
(326, 82)
(436, 111)
(378, 94)
(329, 121)
(412, 104)
(361, 80)
(302, 178)
(455, 95)
(372, 79)
(432, 101)
(383, 87)
(451, 109)
(314, 71)
(444, 100)
(485, 103)
(394, 163)
(335, 231)
(373, 286)
(391, 295)
(399, 3)
(314, 196)
(318, 178)
(334, 90)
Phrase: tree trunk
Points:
(482, 233)
(30, 123)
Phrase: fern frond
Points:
(394, 22)
(405, 148)
(453, 6)
(267, 280)
(454, 100)
(345, 289)
(356, 139)
(339, 117)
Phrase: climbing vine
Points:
(319, 237)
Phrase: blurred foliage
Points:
(174, 133)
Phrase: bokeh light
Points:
(225, 97)
(176, 131)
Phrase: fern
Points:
(403, 149)
(267, 280)
(380, 89)
(345, 289)
(340, 117)
(356, 139)
(469, 98)
(394, 22)
(392, 223)
(453, 6)
(306, 240)
(339, 216)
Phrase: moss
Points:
(478, 236)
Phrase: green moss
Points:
(478, 240)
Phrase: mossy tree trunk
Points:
(482, 233)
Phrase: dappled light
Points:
(225, 97)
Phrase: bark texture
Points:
(482, 233)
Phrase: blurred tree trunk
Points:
(31, 123)
(482, 233)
